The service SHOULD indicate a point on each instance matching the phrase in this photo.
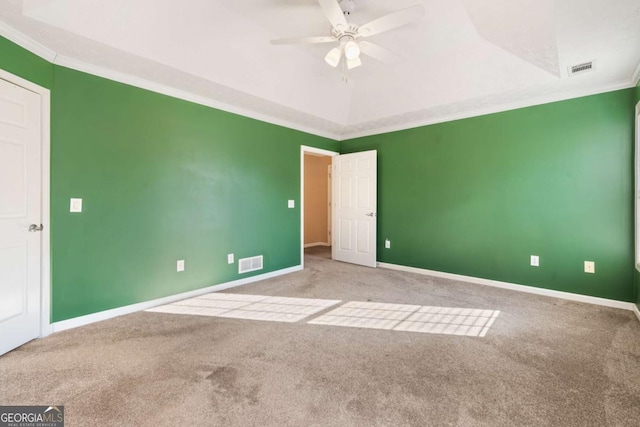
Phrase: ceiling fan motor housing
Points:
(351, 32)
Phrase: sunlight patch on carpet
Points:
(469, 322)
(253, 307)
(411, 318)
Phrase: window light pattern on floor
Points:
(254, 307)
(411, 318)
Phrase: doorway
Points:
(350, 224)
(24, 211)
(317, 200)
(315, 210)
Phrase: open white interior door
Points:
(354, 204)
(20, 215)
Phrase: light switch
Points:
(75, 205)
(291, 204)
(180, 265)
(229, 258)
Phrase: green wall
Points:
(161, 179)
(20, 62)
(479, 196)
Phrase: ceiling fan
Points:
(348, 35)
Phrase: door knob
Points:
(34, 227)
(371, 214)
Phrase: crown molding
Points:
(26, 42)
(563, 96)
(149, 85)
(44, 52)
(635, 77)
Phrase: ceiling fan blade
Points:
(391, 21)
(332, 10)
(377, 52)
(300, 40)
(353, 63)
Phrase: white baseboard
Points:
(309, 245)
(128, 309)
(636, 311)
(515, 287)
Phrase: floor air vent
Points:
(246, 265)
(581, 68)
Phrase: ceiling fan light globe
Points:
(333, 57)
(353, 63)
(351, 50)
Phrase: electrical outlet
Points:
(535, 261)
(180, 265)
(230, 259)
(387, 243)
(589, 267)
(75, 205)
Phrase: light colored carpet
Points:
(544, 362)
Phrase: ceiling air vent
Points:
(246, 265)
(581, 68)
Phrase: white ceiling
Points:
(464, 58)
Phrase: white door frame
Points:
(636, 189)
(45, 250)
(329, 206)
(306, 149)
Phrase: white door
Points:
(354, 208)
(20, 210)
